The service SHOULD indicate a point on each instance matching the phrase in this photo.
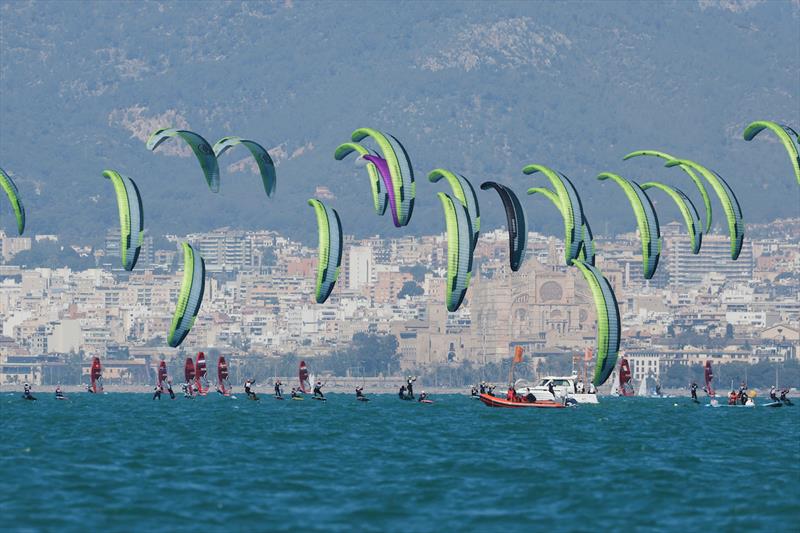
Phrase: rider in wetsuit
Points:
(474, 391)
(26, 392)
(423, 396)
(410, 386)
(490, 390)
(773, 394)
(157, 392)
(295, 393)
(360, 394)
(694, 391)
(248, 384)
(318, 390)
(784, 399)
(402, 392)
(59, 393)
(278, 391)
(169, 389)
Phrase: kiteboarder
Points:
(278, 391)
(157, 392)
(360, 394)
(248, 389)
(26, 392)
(59, 394)
(410, 386)
(187, 390)
(423, 396)
(169, 390)
(318, 390)
(295, 394)
(694, 392)
(784, 399)
(474, 392)
(773, 394)
(89, 388)
(403, 392)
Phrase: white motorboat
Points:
(564, 387)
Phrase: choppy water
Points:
(122, 462)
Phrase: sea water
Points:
(123, 462)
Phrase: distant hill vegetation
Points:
(477, 88)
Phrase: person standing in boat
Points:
(511, 394)
(490, 390)
(482, 387)
(592, 389)
(579, 387)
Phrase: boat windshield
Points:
(556, 382)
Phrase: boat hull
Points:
(494, 401)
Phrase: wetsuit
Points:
(278, 392)
(410, 388)
(157, 393)
(483, 389)
(423, 397)
(248, 390)
(59, 394)
(171, 393)
(694, 392)
(26, 393)
(784, 399)
(359, 393)
(89, 389)
(490, 390)
(318, 390)
(474, 391)
(551, 389)
(773, 395)
(402, 392)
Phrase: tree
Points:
(410, 288)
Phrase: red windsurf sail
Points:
(625, 387)
(709, 378)
(188, 370)
(162, 373)
(305, 385)
(96, 375)
(222, 377)
(201, 379)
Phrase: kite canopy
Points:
(690, 215)
(566, 199)
(689, 172)
(376, 178)
(399, 168)
(459, 250)
(646, 219)
(330, 249)
(190, 296)
(516, 220)
(784, 133)
(266, 166)
(730, 204)
(12, 192)
(201, 148)
(465, 193)
(608, 323)
(131, 217)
